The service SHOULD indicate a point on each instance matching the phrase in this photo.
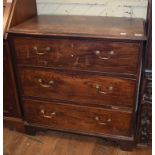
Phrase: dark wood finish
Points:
(11, 108)
(126, 145)
(22, 10)
(30, 130)
(10, 98)
(50, 75)
(76, 54)
(17, 12)
(14, 123)
(108, 91)
(85, 26)
(78, 118)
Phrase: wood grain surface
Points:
(78, 118)
(85, 89)
(84, 26)
(6, 14)
(22, 10)
(58, 143)
(10, 97)
(90, 55)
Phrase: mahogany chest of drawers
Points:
(84, 81)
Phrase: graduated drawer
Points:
(80, 88)
(90, 55)
(78, 118)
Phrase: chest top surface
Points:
(83, 26)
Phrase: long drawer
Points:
(78, 118)
(82, 88)
(90, 55)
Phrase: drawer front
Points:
(98, 90)
(78, 118)
(101, 56)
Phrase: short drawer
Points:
(82, 88)
(90, 55)
(78, 118)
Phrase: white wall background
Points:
(118, 8)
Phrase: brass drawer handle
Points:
(104, 58)
(97, 119)
(47, 49)
(98, 89)
(48, 116)
(50, 83)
